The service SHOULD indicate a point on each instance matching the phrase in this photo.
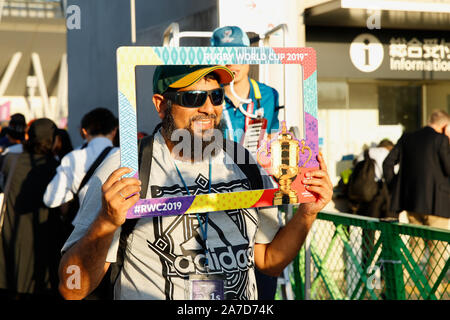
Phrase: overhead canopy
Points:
(399, 14)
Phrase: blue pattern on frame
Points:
(310, 94)
(128, 135)
(216, 55)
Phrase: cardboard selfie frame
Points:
(130, 57)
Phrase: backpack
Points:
(380, 205)
(145, 156)
(362, 186)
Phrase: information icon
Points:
(366, 52)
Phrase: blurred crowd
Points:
(40, 179)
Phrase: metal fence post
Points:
(392, 269)
(297, 285)
(307, 291)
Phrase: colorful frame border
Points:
(130, 57)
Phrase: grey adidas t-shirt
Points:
(162, 252)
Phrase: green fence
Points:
(353, 258)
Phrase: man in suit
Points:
(422, 185)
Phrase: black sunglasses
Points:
(196, 98)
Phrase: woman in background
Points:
(30, 240)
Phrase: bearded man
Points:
(177, 257)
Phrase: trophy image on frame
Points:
(282, 161)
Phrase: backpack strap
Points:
(145, 156)
(93, 167)
(74, 204)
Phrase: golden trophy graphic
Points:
(284, 160)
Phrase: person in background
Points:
(421, 188)
(379, 206)
(99, 128)
(263, 98)
(29, 242)
(379, 154)
(14, 135)
(3, 125)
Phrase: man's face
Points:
(192, 130)
(198, 120)
(240, 71)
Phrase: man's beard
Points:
(188, 144)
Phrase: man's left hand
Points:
(317, 182)
(272, 258)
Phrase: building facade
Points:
(33, 66)
(383, 67)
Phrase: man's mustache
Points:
(203, 117)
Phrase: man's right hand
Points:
(89, 254)
(119, 195)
